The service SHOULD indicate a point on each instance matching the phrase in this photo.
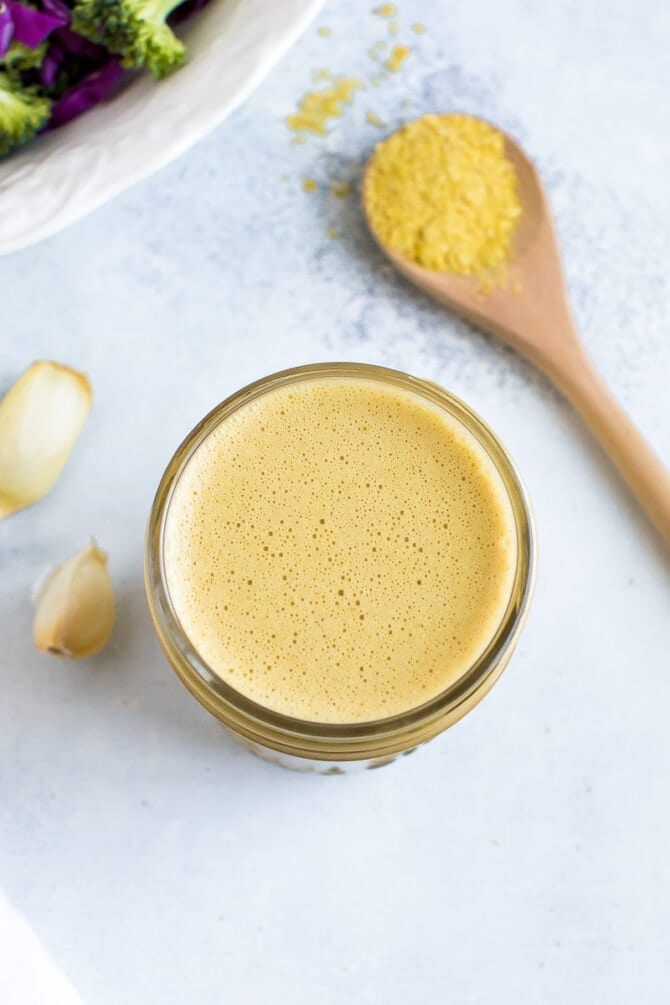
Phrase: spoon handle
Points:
(636, 462)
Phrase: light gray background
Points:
(522, 857)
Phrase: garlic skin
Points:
(41, 418)
(74, 613)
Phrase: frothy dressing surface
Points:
(340, 550)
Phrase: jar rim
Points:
(322, 740)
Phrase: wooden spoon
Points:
(532, 315)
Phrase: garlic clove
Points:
(74, 613)
(41, 418)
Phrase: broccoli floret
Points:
(19, 58)
(23, 112)
(134, 29)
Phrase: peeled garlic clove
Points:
(75, 607)
(41, 418)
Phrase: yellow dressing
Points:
(340, 550)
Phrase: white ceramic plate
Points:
(66, 174)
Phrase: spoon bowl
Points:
(529, 311)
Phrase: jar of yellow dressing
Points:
(339, 562)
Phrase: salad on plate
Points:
(58, 58)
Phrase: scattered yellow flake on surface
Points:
(419, 29)
(309, 185)
(332, 233)
(373, 119)
(397, 58)
(324, 32)
(375, 50)
(297, 140)
(394, 28)
(316, 108)
(462, 217)
(320, 75)
(340, 189)
(385, 10)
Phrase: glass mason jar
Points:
(325, 747)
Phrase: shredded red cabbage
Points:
(89, 91)
(6, 28)
(30, 27)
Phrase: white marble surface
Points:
(522, 857)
